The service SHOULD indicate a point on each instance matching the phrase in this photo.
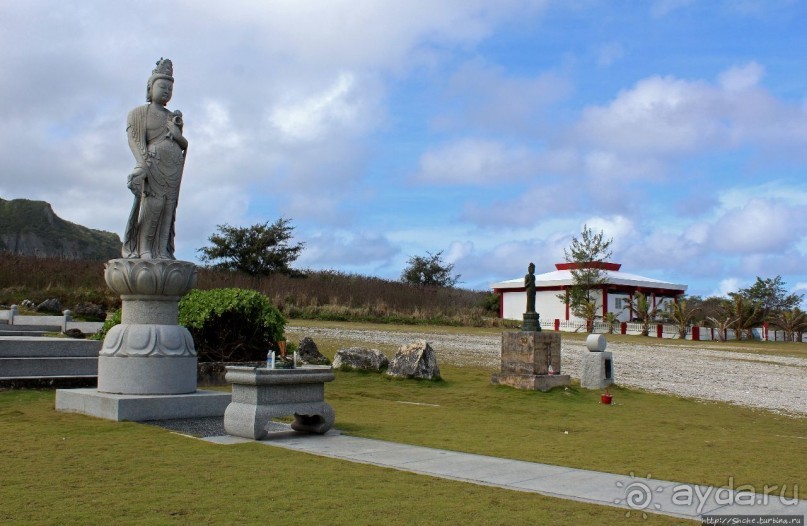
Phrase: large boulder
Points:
(90, 310)
(307, 352)
(416, 360)
(360, 359)
(50, 305)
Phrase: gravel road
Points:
(775, 383)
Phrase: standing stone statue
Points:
(155, 138)
(529, 285)
(531, 321)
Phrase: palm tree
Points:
(645, 311)
(611, 320)
(792, 321)
(722, 325)
(746, 314)
(680, 313)
(588, 311)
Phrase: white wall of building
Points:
(550, 307)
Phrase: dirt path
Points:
(775, 383)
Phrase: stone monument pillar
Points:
(530, 358)
(148, 353)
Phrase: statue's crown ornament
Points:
(164, 70)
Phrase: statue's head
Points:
(531, 268)
(163, 77)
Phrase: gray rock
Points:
(90, 310)
(50, 305)
(360, 359)
(416, 360)
(75, 333)
(308, 352)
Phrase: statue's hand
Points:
(135, 182)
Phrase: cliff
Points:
(31, 228)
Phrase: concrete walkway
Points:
(637, 495)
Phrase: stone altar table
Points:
(260, 394)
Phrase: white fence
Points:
(65, 322)
(666, 330)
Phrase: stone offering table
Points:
(260, 394)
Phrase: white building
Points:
(615, 296)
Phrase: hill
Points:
(31, 228)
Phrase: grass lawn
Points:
(668, 437)
(70, 469)
(62, 468)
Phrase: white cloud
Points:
(741, 78)
(321, 114)
(758, 226)
(359, 250)
(530, 207)
(618, 227)
(476, 162)
(666, 116)
(726, 286)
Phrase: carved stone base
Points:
(140, 376)
(149, 353)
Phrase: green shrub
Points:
(231, 325)
(113, 320)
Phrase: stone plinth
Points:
(598, 370)
(531, 322)
(260, 394)
(137, 408)
(148, 353)
(147, 364)
(526, 361)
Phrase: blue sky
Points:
(489, 130)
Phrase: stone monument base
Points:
(598, 370)
(528, 358)
(532, 382)
(141, 407)
(131, 375)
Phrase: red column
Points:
(660, 330)
(696, 333)
(501, 305)
(623, 328)
(604, 302)
(765, 331)
(557, 325)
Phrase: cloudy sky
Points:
(489, 130)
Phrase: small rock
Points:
(360, 359)
(75, 333)
(416, 360)
(307, 352)
(51, 305)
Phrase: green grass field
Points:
(71, 469)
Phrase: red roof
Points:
(591, 264)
